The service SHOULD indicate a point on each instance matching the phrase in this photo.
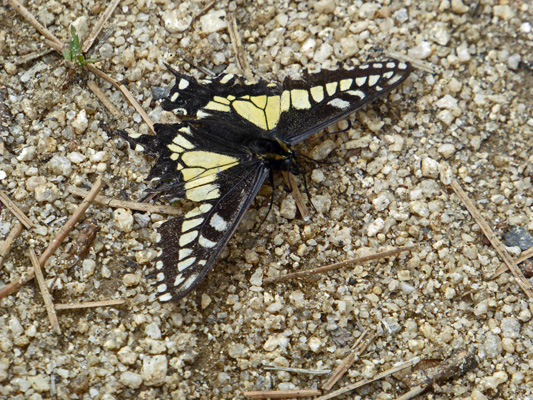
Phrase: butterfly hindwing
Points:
(191, 244)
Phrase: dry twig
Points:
(17, 212)
(281, 394)
(236, 43)
(44, 292)
(498, 246)
(99, 25)
(132, 205)
(342, 264)
(103, 98)
(90, 304)
(357, 385)
(11, 237)
(56, 242)
(297, 195)
(348, 361)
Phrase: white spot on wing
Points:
(394, 79)
(218, 223)
(373, 79)
(184, 84)
(162, 288)
(339, 103)
(160, 276)
(378, 65)
(402, 65)
(187, 238)
(178, 280)
(186, 263)
(165, 297)
(388, 74)
(183, 253)
(357, 93)
(360, 81)
(391, 64)
(206, 242)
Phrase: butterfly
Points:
(232, 136)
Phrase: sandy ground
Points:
(464, 113)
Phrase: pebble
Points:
(48, 193)
(492, 345)
(89, 267)
(257, 277)
(421, 51)
(130, 280)
(205, 301)
(504, 12)
(152, 330)
(459, 7)
(492, 382)
(123, 219)
(375, 227)
(446, 173)
(76, 157)
(81, 122)
(430, 168)
(154, 370)
(177, 20)
(127, 356)
(275, 341)
(420, 208)
(446, 102)
(60, 165)
(478, 395)
(315, 344)
(440, 34)
(446, 150)
(514, 61)
(131, 379)
(446, 117)
(40, 383)
(115, 339)
(213, 21)
(381, 202)
(288, 208)
(323, 53)
(27, 153)
(510, 328)
(325, 7)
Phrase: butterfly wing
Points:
(220, 179)
(318, 100)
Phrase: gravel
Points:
(382, 184)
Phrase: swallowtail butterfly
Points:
(231, 138)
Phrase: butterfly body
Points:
(233, 135)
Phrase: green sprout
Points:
(72, 53)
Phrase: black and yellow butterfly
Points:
(233, 136)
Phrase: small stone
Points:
(459, 7)
(477, 395)
(35, 181)
(446, 150)
(415, 345)
(213, 21)
(275, 341)
(508, 345)
(481, 308)
(504, 12)
(463, 55)
(152, 330)
(206, 300)
(81, 122)
(449, 293)
(123, 219)
(89, 267)
(492, 345)
(421, 51)
(4, 366)
(510, 328)
(446, 102)
(251, 257)
(381, 202)
(257, 277)
(375, 227)
(288, 208)
(177, 20)
(154, 370)
(115, 339)
(314, 344)
(131, 379)
(48, 193)
(130, 280)
(27, 153)
(440, 34)
(420, 208)
(446, 173)
(126, 356)
(76, 157)
(40, 383)
(430, 168)
(492, 382)
(323, 53)
(297, 298)
(446, 116)
(60, 165)
(237, 350)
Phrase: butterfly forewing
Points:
(311, 104)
